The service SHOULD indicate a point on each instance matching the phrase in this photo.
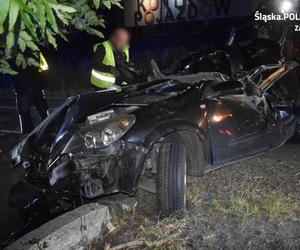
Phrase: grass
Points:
(234, 201)
(252, 198)
(149, 232)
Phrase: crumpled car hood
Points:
(74, 110)
(59, 126)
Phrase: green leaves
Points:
(25, 36)
(63, 8)
(32, 62)
(22, 45)
(28, 25)
(96, 3)
(32, 46)
(51, 39)
(40, 11)
(117, 3)
(20, 61)
(5, 68)
(95, 32)
(107, 4)
(62, 12)
(3, 10)
(13, 14)
(10, 40)
(50, 16)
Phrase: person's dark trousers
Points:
(25, 100)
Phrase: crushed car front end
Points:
(81, 151)
(77, 153)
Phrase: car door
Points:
(241, 125)
(237, 128)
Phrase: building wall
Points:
(183, 25)
(151, 12)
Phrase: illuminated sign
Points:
(149, 12)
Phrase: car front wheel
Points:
(171, 178)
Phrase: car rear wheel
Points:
(171, 178)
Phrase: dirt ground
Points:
(250, 205)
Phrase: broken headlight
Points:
(100, 134)
(109, 133)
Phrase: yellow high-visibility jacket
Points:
(105, 80)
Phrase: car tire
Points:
(195, 154)
(171, 178)
(195, 151)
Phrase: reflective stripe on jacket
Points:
(104, 80)
(43, 65)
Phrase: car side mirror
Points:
(223, 89)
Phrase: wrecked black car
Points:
(153, 135)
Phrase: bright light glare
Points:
(217, 118)
(220, 117)
(286, 6)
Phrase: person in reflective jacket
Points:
(29, 90)
(107, 59)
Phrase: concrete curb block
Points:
(73, 230)
(118, 202)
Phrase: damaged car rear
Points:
(153, 135)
